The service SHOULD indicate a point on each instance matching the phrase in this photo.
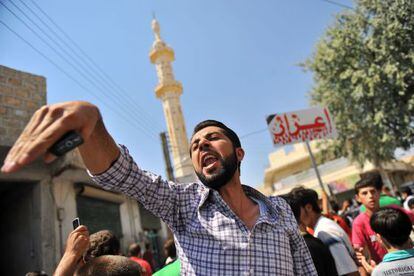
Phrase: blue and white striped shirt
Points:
(210, 238)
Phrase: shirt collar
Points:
(399, 255)
(270, 216)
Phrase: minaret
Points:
(169, 91)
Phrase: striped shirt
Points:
(210, 238)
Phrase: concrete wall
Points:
(20, 95)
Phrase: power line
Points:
(85, 72)
(338, 4)
(151, 135)
(64, 71)
(96, 68)
(253, 133)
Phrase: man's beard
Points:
(218, 179)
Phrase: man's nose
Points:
(204, 144)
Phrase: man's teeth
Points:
(209, 160)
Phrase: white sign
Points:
(300, 126)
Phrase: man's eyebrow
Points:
(195, 141)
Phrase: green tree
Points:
(363, 70)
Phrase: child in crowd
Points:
(393, 227)
(363, 237)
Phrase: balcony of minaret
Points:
(174, 88)
(166, 52)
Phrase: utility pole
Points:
(167, 159)
(168, 167)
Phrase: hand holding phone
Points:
(76, 223)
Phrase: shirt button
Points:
(251, 271)
(246, 273)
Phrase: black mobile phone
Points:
(76, 223)
(66, 143)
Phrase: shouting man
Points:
(221, 227)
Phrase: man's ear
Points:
(308, 208)
(239, 154)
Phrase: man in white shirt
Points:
(328, 231)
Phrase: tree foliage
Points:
(363, 70)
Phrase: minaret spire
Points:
(169, 91)
(156, 28)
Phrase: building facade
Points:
(292, 168)
(40, 201)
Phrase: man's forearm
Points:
(100, 150)
(67, 265)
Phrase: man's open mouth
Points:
(208, 161)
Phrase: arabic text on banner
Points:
(300, 126)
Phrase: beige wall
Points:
(20, 95)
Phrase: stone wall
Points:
(21, 94)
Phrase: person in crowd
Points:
(387, 191)
(171, 269)
(103, 242)
(330, 210)
(170, 251)
(384, 200)
(134, 253)
(149, 256)
(392, 227)
(410, 205)
(321, 256)
(215, 222)
(172, 264)
(346, 205)
(76, 245)
(349, 211)
(329, 232)
(110, 265)
(363, 237)
(406, 194)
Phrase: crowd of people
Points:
(371, 238)
(220, 226)
(368, 238)
(100, 254)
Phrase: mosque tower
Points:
(169, 91)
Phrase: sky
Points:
(238, 62)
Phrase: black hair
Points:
(392, 224)
(305, 196)
(226, 131)
(370, 180)
(406, 190)
(334, 205)
(111, 265)
(411, 203)
(103, 242)
(169, 247)
(134, 250)
(294, 205)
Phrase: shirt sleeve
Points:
(358, 239)
(155, 194)
(344, 262)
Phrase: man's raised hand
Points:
(47, 125)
